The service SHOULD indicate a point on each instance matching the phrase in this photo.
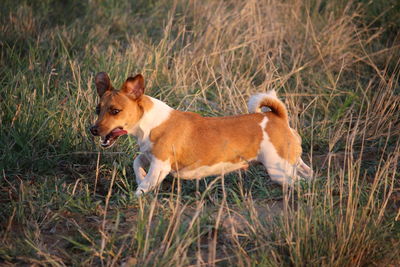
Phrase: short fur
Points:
(191, 146)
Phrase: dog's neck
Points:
(151, 118)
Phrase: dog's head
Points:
(118, 111)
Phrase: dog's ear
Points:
(102, 82)
(134, 86)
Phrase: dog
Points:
(191, 146)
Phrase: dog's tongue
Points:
(118, 132)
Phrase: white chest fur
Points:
(152, 118)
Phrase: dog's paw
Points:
(139, 193)
(141, 190)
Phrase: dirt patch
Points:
(235, 224)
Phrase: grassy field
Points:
(65, 201)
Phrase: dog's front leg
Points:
(157, 172)
(139, 164)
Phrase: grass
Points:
(64, 201)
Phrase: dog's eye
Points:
(97, 110)
(115, 111)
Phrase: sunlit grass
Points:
(64, 201)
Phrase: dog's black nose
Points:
(94, 130)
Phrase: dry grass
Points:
(63, 201)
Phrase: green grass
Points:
(65, 201)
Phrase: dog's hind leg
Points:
(139, 165)
(279, 169)
(305, 171)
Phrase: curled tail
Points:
(270, 100)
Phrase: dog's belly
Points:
(216, 169)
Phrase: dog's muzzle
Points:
(94, 130)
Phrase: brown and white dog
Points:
(191, 146)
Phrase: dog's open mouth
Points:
(109, 139)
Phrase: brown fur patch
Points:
(276, 106)
(131, 111)
(190, 141)
(286, 143)
(145, 103)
